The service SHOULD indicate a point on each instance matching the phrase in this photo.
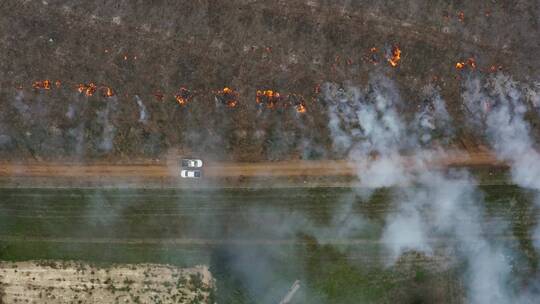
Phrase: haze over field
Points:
(378, 152)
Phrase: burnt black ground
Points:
(156, 47)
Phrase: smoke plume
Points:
(432, 204)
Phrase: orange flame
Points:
(44, 84)
(181, 101)
(90, 89)
(87, 89)
(372, 56)
(229, 97)
(108, 92)
(472, 63)
(396, 56)
(301, 108)
(268, 97)
(57, 83)
(461, 16)
(183, 96)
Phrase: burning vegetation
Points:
(183, 96)
(228, 97)
(298, 102)
(301, 108)
(44, 84)
(471, 63)
(372, 57)
(87, 89)
(270, 99)
(108, 92)
(395, 56)
(461, 16)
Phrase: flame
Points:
(181, 101)
(183, 96)
(43, 84)
(268, 97)
(301, 108)
(372, 56)
(57, 83)
(461, 16)
(108, 92)
(472, 63)
(87, 89)
(396, 56)
(228, 96)
(90, 89)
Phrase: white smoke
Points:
(109, 130)
(367, 126)
(500, 104)
(432, 204)
(21, 106)
(432, 118)
(70, 114)
(533, 95)
(143, 114)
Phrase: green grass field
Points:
(257, 242)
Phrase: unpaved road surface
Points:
(166, 173)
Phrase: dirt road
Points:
(165, 172)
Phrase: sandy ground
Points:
(165, 173)
(70, 282)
